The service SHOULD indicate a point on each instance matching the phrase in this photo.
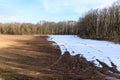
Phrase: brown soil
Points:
(26, 57)
(78, 67)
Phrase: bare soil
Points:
(26, 57)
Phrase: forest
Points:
(102, 24)
(42, 27)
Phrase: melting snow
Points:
(91, 49)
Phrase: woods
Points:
(101, 24)
(43, 27)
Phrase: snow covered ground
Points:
(91, 49)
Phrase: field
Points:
(26, 57)
(37, 57)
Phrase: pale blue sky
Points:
(51, 10)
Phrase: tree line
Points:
(42, 27)
(101, 24)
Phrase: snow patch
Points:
(91, 49)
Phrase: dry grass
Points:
(26, 56)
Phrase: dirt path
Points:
(26, 57)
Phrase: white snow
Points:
(91, 49)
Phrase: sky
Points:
(33, 11)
